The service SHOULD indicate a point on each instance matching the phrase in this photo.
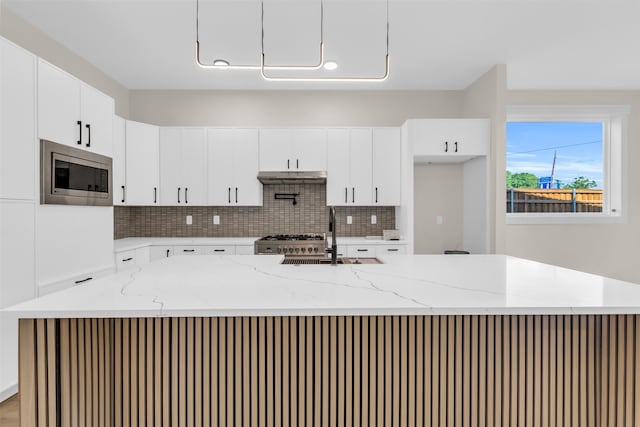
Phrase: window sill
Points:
(569, 219)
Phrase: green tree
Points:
(521, 180)
(581, 182)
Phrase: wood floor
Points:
(9, 412)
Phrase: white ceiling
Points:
(434, 45)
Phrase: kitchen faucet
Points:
(332, 229)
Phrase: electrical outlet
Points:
(374, 219)
(189, 220)
(216, 220)
(349, 219)
(439, 220)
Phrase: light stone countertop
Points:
(209, 285)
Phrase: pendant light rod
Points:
(356, 79)
(262, 65)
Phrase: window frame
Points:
(614, 166)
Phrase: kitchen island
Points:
(418, 340)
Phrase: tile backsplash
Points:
(309, 215)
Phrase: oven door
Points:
(71, 176)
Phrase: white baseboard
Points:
(8, 392)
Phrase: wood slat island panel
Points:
(529, 370)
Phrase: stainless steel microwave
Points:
(71, 176)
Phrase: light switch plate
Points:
(189, 220)
(349, 219)
(374, 219)
(439, 220)
(216, 220)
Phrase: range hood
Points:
(292, 177)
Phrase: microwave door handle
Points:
(79, 123)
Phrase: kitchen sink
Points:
(311, 260)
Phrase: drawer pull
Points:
(188, 250)
(127, 259)
(392, 250)
(363, 250)
(77, 282)
(219, 250)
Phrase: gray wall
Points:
(290, 108)
(439, 193)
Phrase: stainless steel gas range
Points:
(292, 244)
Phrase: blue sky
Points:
(530, 148)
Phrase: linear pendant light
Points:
(365, 79)
(261, 66)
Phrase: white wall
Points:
(438, 191)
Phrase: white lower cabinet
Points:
(245, 250)
(205, 250)
(219, 250)
(361, 251)
(160, 252)
(391, 250)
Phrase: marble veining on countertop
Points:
(210, 285)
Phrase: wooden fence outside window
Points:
(523, 200)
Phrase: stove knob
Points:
(297, 250)
(310, 249)
(315, 249)
(291, 250)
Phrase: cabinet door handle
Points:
(236, 194)
(376, 194)
(446, 146)
(127, 259)
(345, 194)
(455, 144)
(287, 163)
(88, 126)
(155, 194)
(297, 163)
(363, 250)
(353, 194)
(229, 193)
(168, 252)
(123, 194)
(219, 250)
(178, 194)
(186, 194)
(83, 280)
(79, 123)
(188, 250)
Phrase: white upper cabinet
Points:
(449, 139)
(73, 113)
(142, 164)
(233, 156)
(119, 161)
(386, 166)
(97, 120)
(349, 167)
(183, 174)
(293, 149)
(17, 122)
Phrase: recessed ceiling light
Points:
(221, 63)
(330, 65)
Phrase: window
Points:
(565, 164)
